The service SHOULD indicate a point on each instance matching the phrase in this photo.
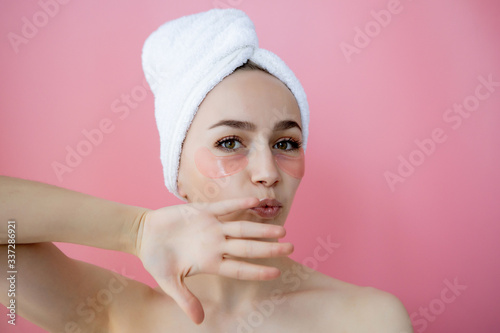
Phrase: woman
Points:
(216, 259)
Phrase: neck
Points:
(232, 294)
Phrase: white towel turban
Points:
(185, 58)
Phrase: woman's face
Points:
(245, 140)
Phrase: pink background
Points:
(441, 223)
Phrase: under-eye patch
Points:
(213, 166)
(292, 165)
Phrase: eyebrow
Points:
(249, 126)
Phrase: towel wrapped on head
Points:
(187, 57)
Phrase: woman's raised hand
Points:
(178, 241)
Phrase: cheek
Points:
(292, 165)
(212, 166)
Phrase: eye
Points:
(230, 143)
(289, 144)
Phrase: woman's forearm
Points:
(46, 213)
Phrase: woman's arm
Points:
(172, 242)
(46, 213)
(61, 294)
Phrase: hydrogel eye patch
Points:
(214, 167)
(292, 165)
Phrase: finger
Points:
(256, 249)
(191, 305)
(246, 271)
(228, 206)
(246, 229)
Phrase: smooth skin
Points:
(163, 239)
(217, 264)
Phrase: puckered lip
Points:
(267, 202)
(267, 208)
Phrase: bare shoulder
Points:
(352, 308)
(380, 311)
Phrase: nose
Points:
(263, 167)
